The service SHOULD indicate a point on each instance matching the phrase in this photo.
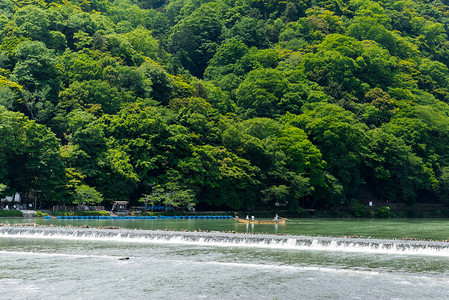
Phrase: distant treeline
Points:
(228, 104)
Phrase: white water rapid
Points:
(233, 240)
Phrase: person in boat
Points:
(252, 218)
(276, 217)
(247, 217)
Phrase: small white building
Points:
(11, 202)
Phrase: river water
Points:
(88, 263)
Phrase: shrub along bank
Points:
(10, 213)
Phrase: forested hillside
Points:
(232, 104)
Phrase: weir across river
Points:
(233, 240)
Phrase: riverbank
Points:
(377, 210)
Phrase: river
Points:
(292, 261)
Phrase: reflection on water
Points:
(434, 229)
(273, 228)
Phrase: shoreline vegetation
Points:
(402, 211)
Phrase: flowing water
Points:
(91, 263)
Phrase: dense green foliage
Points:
(229, 104)
(40, 214)
(10, 213)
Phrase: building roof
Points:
(120, 202)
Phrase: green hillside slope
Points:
(227, 104)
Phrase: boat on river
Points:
(279, 221)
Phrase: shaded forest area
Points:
(229, 104)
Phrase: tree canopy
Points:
(225, 104)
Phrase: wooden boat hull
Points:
(280, 221)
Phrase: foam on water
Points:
(286, 268)
(44, 254)
(234, 240)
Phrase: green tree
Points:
(3, 187)
(220, 178)
(225, 60)
(161, 85)
(155, 196)
(194, 39)
(177, 196)
(278, 194)
(340, 139)
(36, 72)
(396, 173)
(260, 93)
(79, 66)
(200, 118)
(33, 23)
(30, 157)
(93, 93)
(143, 42)
(88, 195)
(251, 32)
(151, 146)
(302, 156)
